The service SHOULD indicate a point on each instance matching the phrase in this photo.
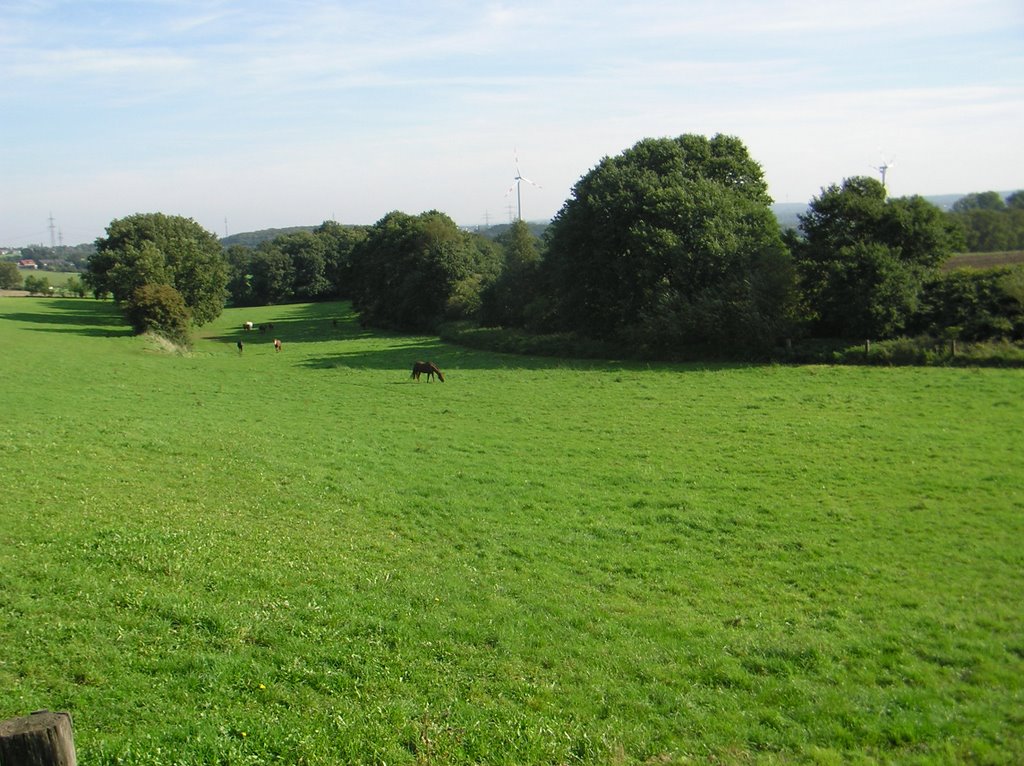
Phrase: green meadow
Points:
(306, 557)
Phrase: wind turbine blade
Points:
(524, 178)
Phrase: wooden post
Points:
(867, 348)
(952, 347)
(40, 739)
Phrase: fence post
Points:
(40, 739)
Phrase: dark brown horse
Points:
(429, 368)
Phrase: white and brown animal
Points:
(277, 344)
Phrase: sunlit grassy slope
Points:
(306, 557)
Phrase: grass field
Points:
(305, 557)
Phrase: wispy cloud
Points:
(210, 91)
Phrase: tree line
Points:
(670, 245)
(990, 223)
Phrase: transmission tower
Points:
(53, 240)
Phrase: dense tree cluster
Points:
(505, 302)
(294, 266)
(864, 259)
(671, 243)
(158, 249)
(973, 305)
(61, 257)
(667, 248)
(413, 271)
(990, 223)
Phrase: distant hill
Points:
(255, 238)
(787, 214)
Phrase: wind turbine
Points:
(517, 182)
(883, 168)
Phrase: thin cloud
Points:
(286, 109)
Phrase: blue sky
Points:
(251, 115)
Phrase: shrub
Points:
(37, 285)
(159, 309)
(74, 286)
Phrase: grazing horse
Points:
(277, 345)
(429, 368)
(247, 326)
(240, 346)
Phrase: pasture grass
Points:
(305, 557)
(983, 260)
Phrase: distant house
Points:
(27, 263)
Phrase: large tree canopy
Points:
(153, 248)
(863, 259)
(412, 271)
(672, 242)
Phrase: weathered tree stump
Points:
(40, 739)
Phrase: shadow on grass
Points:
(80, 316)
(300, 323)
(384, 350)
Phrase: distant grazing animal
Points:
(247, 326)
(277, 345)
(429, 368)
(240, 346)
(267, 327)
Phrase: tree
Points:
(989, 200)
(989, 224)
(153, 248)
(339, 242)
(306, 251)
(505, 302)
(159, 309)
(974, 304)
(37, 285)
(273, 275)
(407, 270)
(673, 242)
(10, 277)
(240, 277)
(75, 287)
(863, 258)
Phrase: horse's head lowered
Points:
(429, 368)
